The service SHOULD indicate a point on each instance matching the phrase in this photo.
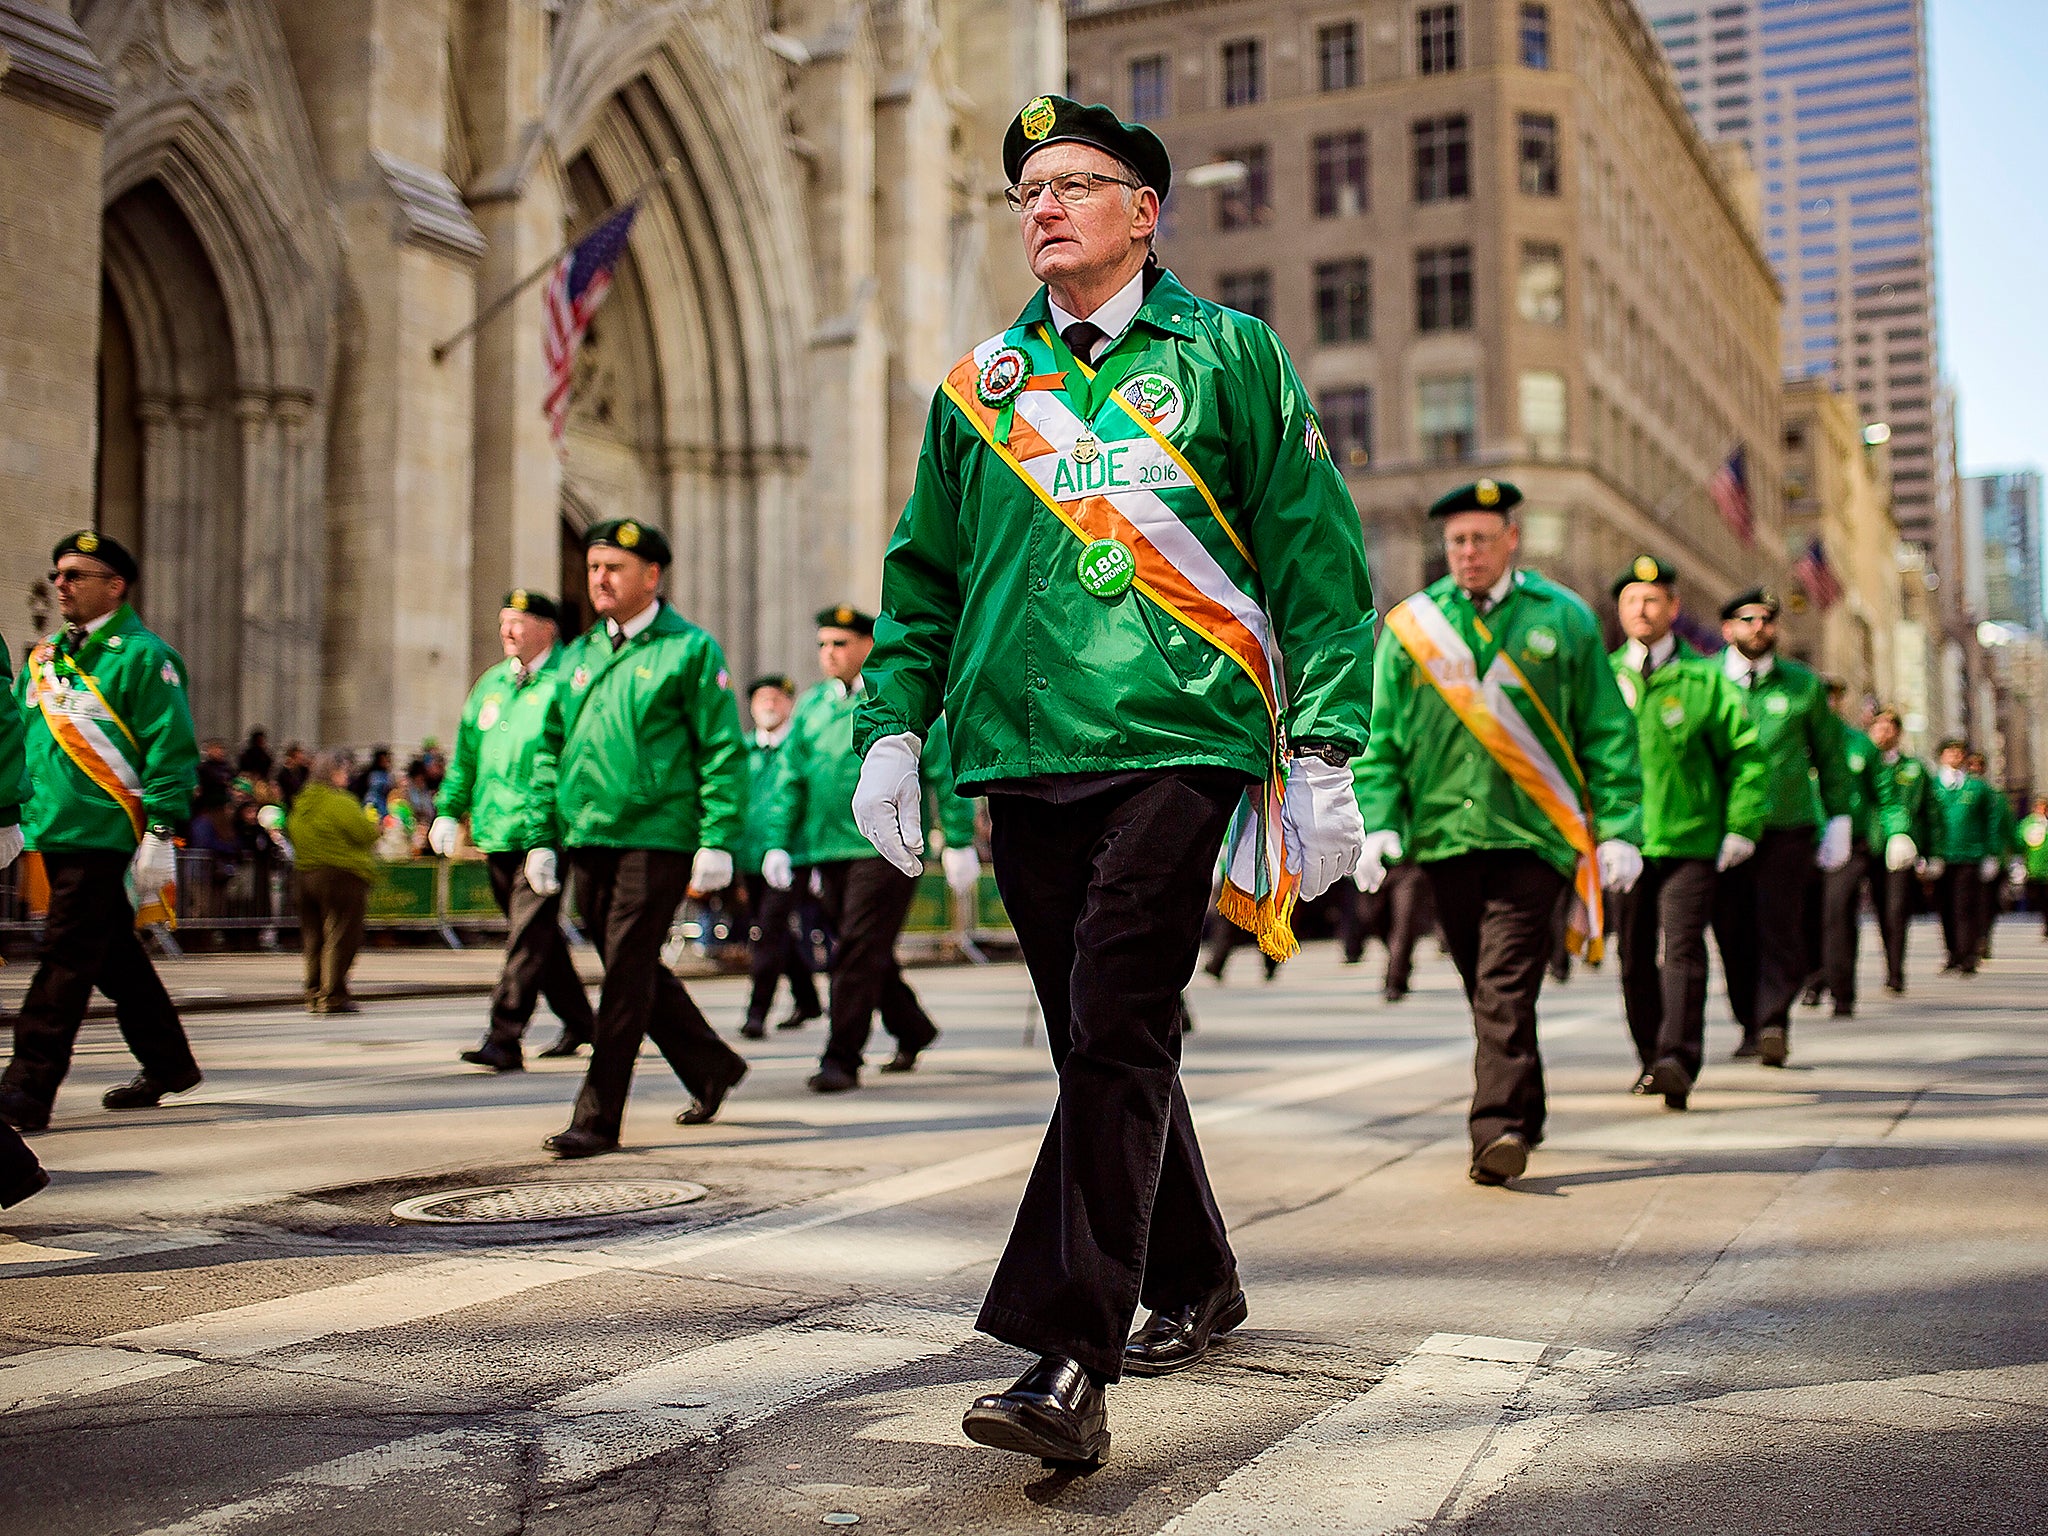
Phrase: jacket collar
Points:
(1169, 308)
(122, 621)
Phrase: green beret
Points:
(1646, 568)
(776, 680)
(635, 538)
(1754, 596)
(1056, 120)
(1480, 496)
(842, 617)
(1953, 741)
(539, 604)
(97, 546)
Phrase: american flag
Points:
(1730, 490)
(581, 280)
(1818, 577)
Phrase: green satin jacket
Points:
(1808, 781)
(2033, 837)
(1909, 800)
(1965, 819)
(502, 772)
(1703, 772)
(14, 784)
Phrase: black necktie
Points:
(75, 636)
(618, 637)
(1082, 338)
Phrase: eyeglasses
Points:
(58, 578)
(1070, 190)
(1464, 541)
(1758, 619)
(833, 645)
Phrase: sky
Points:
(1990, 74)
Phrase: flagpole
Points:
(491, 310)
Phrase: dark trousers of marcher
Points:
(2037, 901)
(1991, 904)
(537, 960)
(1959, 898)
(1397, 914)
(1496, 910)
(1894, 892)
(20, 1174)
(865, 901)
(1841, 922)
(1663, 932)
(89, 940)
(1108, 894)
(1759, 925)
(332, 904)
(775, 951)
(627, 898)
(1225, 939)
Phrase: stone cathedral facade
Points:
(232, 233)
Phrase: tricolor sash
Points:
(105, 750)
(1542, 766)
(1134, 487)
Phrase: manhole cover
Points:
(546, 1202)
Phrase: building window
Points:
(1347, 426)
(1539, 288)
(1340, 175)
(1543, 412)
(1337, 56)
(1250, 202)
(1148, 88)
(1249, 293)
(1343, 301)
(1244, 80)
(1535, 36)
(1537, 156)
(1443, 159)
(1443, 288)
(1436, 39)
(1445, 419)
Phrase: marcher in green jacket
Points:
(502, 773)
(2005, 846)
(778, 919)
(1836, 908)
(2033, 840)
(1967, 839)
(1907, 823)
(1703, 766)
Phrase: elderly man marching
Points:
(502, 777)
(1134, 582)
(1504, 760)
(650, 793)
(113, 761)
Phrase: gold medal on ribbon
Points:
(1086, 447)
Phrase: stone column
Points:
(295, 713)
(260, 577)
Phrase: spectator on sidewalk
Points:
(216, 773)
(291, 778)
(256, 761)
(332, 836)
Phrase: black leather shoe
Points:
(565, 1044)
(799, 1020)
(831, 1079)
(1669, 1076)
(27, 1115)
(573, 1143)
(1175, 1338)
(1745, 1051)
(754, 1029)
(146, 1092)
(704, 1106)
(23, 1185)
(905, 1059)
(1055, 1411)
(1392, 993)
(1772, 1047)
(1503, 1158)
(499, 1058)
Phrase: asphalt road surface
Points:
(1814, 1304)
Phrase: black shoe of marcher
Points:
(1392, 993)
(1810, 998)
(505, 1057)
(1772, 1047)
(1841, 1012)
(1175, 1338)
(574, 1143)
(1642, 1084)
(1745, 1051)
(800, 1019)
(26, 1114)
(1054, 1411)
(146, 1092)
(1503, 1158)
(565, 1044)
(754, 1029)
(831, 1079)
(1670, 1078)
(1896, 988)
(704, 1106)
(35, 1179)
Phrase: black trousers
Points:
(537, 959)
(21, 1175)
(1894, 891)
(775, 950)
(1759, 925)
(1959, 898)
(89, 940)
(1397, 914)
(865, 901)
(627, 898)
(1991, 908)
(1497, 910)
(1108, 895)
(1664, 960)
(1841, 919)
(2037, 901)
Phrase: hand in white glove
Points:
(888, 805)
(271, 818)
(1833, 852)
(444, 836)
(10, 845)
(1621, 865)
(2016, 871)
(1735, 848)
(155, 865)
(542, 873)
(1933, 869)
(1900, 852)
(1987, 867)
(776, 870)
(963, 869)
(710, 870)
(1319, 813)
(1380, 850)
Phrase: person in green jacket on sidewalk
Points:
(1836, 907)
(502, 778)
(1703, 811)
(2005, 847)
(21, 1173)
(809, 826)
(1503, 759)
(650, 799)
(2033, 839)
(1759, 908)
(1907, 823)
(113, 764)
(777, 945)
(334, 864)
(1965, 847)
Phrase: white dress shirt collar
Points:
(1112, 317)
(773, 739)
(1648, 658)
(1742, 671)
(1951, 777)
(634, 625)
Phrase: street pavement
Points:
(1813, 1304)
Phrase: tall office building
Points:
(1830, 97)
(2002, 520)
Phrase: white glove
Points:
(2016, 871)
(542, 873)
(155, 865)
(271, 818)
(1621, 865)
(1900, 852)
(1734, 849)
(1319, 813)
(710, 870)
(1933, 869)
(1380, 850)
(444, 836)
(1987, 867)
(10, 845)
(1833, 852)
(888, 805)
(775, 869)
(963, 869)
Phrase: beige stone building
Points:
(1495, 244)
(235, 231)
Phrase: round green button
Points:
(1107, 569)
